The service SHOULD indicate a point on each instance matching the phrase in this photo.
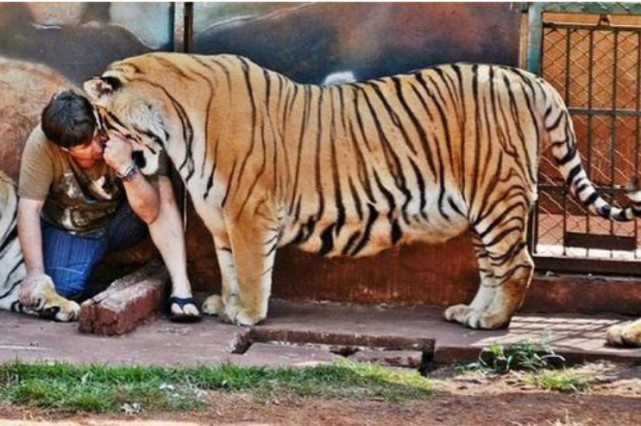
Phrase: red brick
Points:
(127, 302)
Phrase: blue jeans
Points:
(69, 259)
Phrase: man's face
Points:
(90, 150)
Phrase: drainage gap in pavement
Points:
(390, 350)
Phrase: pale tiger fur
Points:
(350, 169)
(12, 269)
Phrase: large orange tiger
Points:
(350, 169)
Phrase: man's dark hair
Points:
(68, 119)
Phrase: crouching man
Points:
(81, 196)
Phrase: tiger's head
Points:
(130, 109)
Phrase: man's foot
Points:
(183, 309)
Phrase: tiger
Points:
(48, 303)
(350, 169)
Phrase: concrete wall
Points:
(44, 47)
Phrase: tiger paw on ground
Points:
(625, 335)
(69, 311)
(213, 305)
(237, 314)
(476, 318)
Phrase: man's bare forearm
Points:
(30, 234)
(143, 197)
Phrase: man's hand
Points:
(117, 154)
(29, 288)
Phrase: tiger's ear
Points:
(99, 89)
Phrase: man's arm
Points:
(142, 195)
(30, 237)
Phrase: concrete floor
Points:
(160, 342)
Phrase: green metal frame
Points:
(535, 22)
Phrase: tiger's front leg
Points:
(254, 240)
(215, 304)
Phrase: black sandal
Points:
(182, 317)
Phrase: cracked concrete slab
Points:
(160, 342)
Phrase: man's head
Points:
(69, 122)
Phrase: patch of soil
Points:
(468, 399)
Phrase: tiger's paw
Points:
(492, 320)
(48, 304)
(235, 313)
(625, 335)
(213, 305)
(476, 318)
(464, 315)
(69, 311)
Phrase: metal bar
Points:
(565, 215)
(533, 229)
(616, 191)
(619, 8)
(613, 123)
(534, 59)
(637, 128)
(565, 264)
(567, 67)
(599, 241)
(604, 111)
(535, 38)
(590, 135)
(179, 25)
(565, 192)
(593, 27)
(189, 27)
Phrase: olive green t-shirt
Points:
(75, 199)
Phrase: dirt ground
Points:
(468, 399)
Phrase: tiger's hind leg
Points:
(470, 314)
(625, 335)
(513, 270)
(511, 264)
(504, 256)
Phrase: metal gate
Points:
(594, 61)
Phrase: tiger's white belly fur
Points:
(428, 226)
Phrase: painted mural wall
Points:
(49, 46)
(45, 47)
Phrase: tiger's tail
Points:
(560, 130)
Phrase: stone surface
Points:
(407, 359)
(127, 302)
(161, 342)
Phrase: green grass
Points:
(132, 389)
(566, 380)
(522, 355)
